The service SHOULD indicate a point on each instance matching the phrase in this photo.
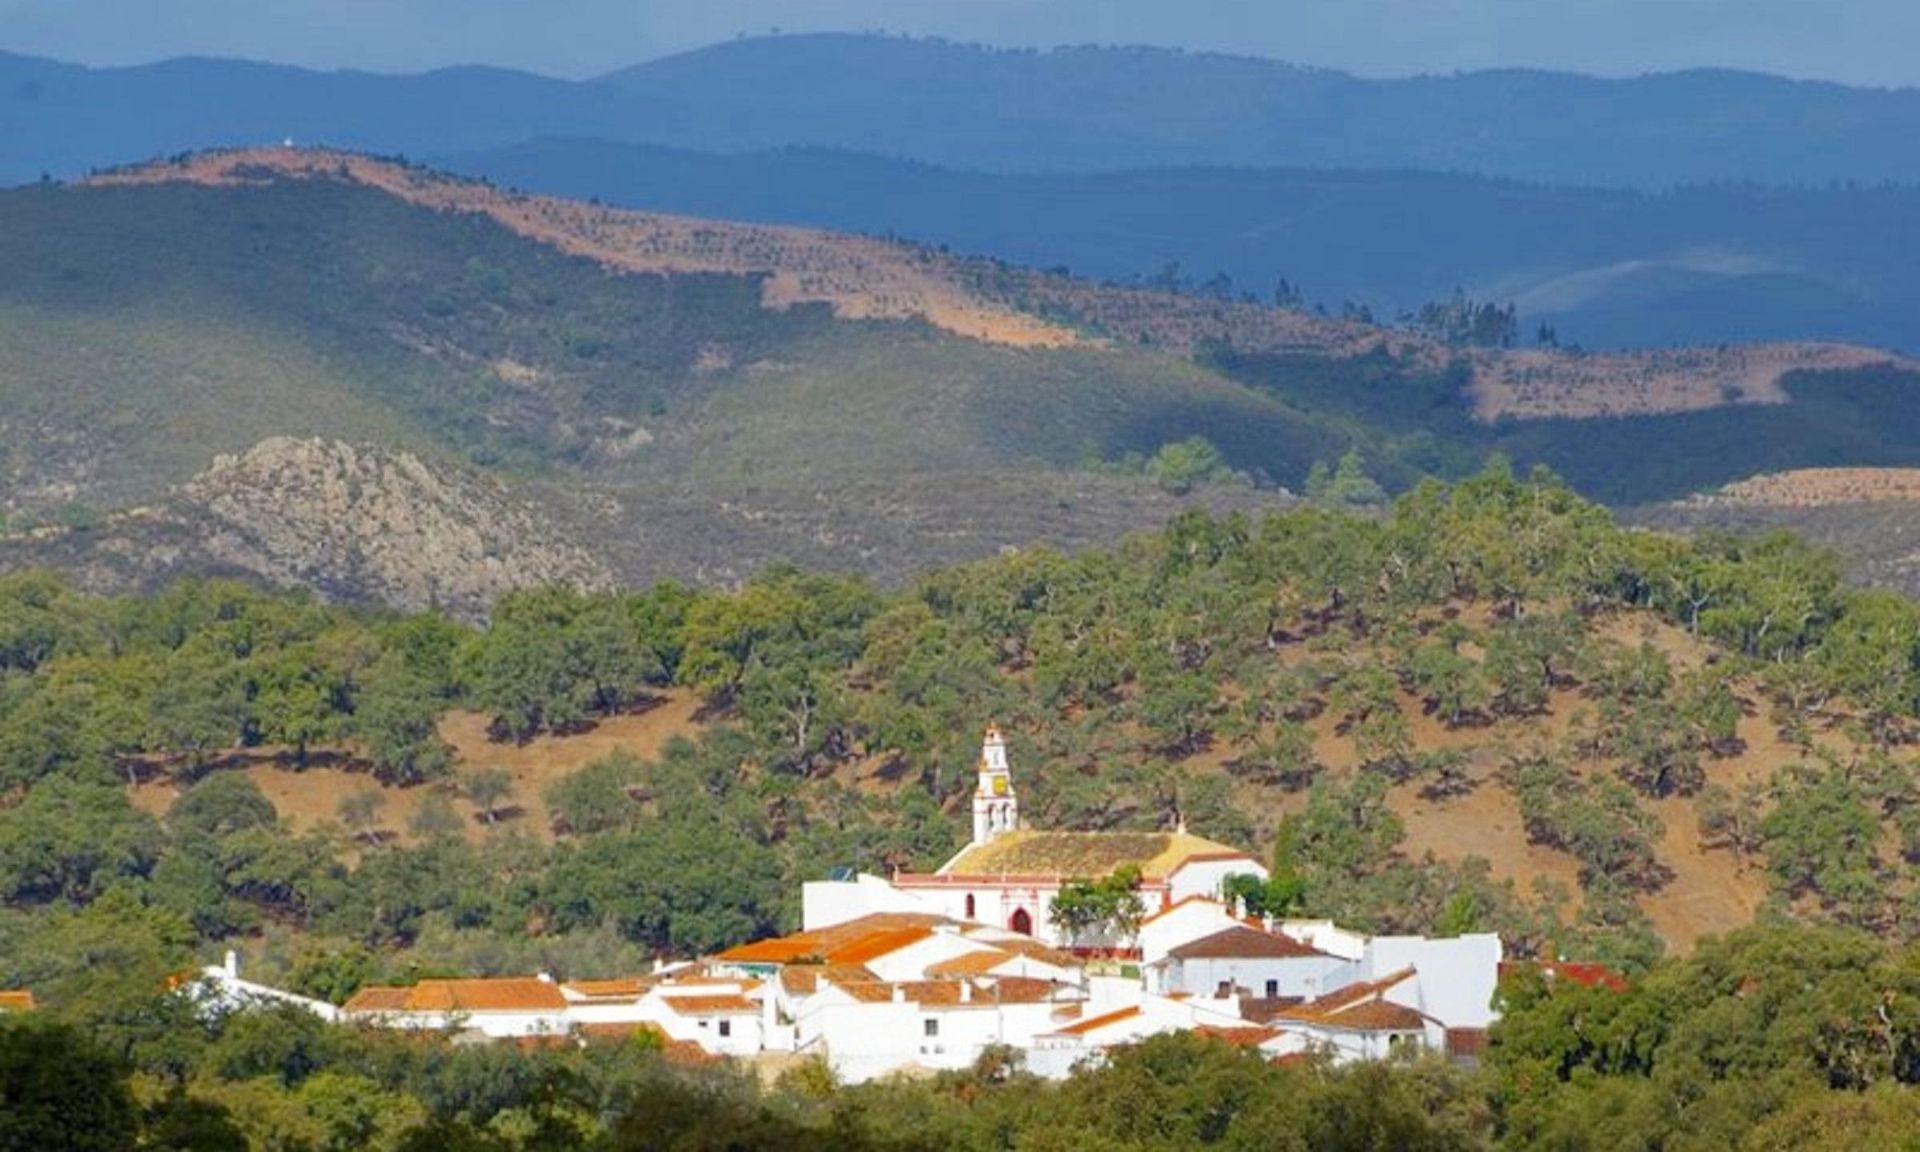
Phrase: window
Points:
(1273, 989)
(931, 1026)
(1021, 922)
(970, 913)
(726, 1027)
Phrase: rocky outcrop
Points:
(374, 524)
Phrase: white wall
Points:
(1184, 924)
(1302, 976)
(1457, 978)
(1204, 877)
(824, 903)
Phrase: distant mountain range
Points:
(1794, 222)
(1606, 268)
(1079, 109)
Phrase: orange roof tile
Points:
(855, 942)
(377, 998)
(17, 1001)
(1095, 1023)
(953, 993)
(611, 989)
(712, 1005)
(971, 964)
(1183, 902)
(1360, 1007)
(509, 994)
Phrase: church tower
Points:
(995, 809)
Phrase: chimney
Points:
(544, 977)
(232, 964)
(899, 994)
(966, 991)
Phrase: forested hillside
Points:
(1602, 717)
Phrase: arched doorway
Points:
(970, 912)
(1021, 922)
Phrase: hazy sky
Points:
(1859, 41)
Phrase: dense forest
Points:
(1260, 680)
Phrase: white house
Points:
(1243, 961)
(221, 987)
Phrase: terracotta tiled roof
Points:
(1241, 942)
(679, 1051)
(611, 989)
(1585, 975)
(971, 964)
(1095, 1023)
(804, 979)
(511, 994)
(18, 1001)
(1032, 949)
(712, 1005)
(1360, 1008)
(1183, 902)
(855, 942)
(1374, 1016)
(1354, 993)
(953, 993)
(1086, 854)
(375, 998)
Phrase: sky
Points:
(1868, 42)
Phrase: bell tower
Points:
(995, 808)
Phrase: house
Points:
(19, 1000)
(1368, 1020)
(1008, 876)
(1241, 960)
(220, 986)
(494, 1008)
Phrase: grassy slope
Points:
(150, 328)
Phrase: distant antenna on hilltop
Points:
(287, 143)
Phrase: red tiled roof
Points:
(1095, 1023)
(854, 942)
(1241, 942)
(1585, 975)
(952, 993)
(971, 964)
(510, 994)
(1360, 1008)
(611, 989)
(16, 1001)
(712, 1005)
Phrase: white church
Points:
(1008, 876)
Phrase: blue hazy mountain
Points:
(1078, 109)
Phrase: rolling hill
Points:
(666, 395)
(1067, 109)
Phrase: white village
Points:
(917, 973)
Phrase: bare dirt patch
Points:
(1535, 384)
(1816, 488)
(860, 277)
(308, 797)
